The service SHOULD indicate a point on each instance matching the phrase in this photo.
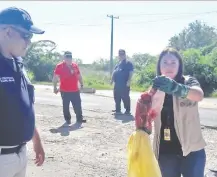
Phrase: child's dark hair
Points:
(172, 51)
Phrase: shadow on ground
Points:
(124, 118)
(65, 129)
(211, 173)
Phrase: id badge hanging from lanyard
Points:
(167, 135)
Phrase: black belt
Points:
(12, 150)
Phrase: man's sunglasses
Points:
(68, 56)
(121, 54)
(24, 35)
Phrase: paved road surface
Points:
(97, 148)
(44, 95)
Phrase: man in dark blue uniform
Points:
(17, 117)
(121, 77)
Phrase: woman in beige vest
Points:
(178, 142)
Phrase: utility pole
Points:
(111, 47)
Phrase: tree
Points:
(145, 70)
(140, 61)
(201, 67)
(78, 61)
(197, 44)
(196, 35)
(41, 59)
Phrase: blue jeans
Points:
(190, 166)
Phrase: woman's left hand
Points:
(165, 84)
(170, 86)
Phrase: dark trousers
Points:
(124, 95)
(75, 99)
(190, 166)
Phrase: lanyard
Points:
(18, 73)
(168, 110)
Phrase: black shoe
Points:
(117, 113)
(114, 110)
(127, 113)
(68, 122)
(81, 121)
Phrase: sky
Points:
(142, 27)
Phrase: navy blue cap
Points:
(67, 54)
(18, 17)
(121, 51)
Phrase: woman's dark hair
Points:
(172, 51)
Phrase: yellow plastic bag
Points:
(141, 158)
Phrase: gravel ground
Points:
(96, 149)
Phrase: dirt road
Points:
(97, 148)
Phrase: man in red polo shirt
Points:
(69, 75)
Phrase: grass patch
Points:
(94, 84)
(214, 94)
(100, 80)
(42, 83)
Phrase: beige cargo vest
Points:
(186, 122)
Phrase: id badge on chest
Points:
(167, 134)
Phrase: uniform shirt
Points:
(167, 119)
(17, 118)
(121, 73)
(68, 81)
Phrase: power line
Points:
(161, 14)
(112, 36)
(100, 16)
(141, 22)
(165, 19)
